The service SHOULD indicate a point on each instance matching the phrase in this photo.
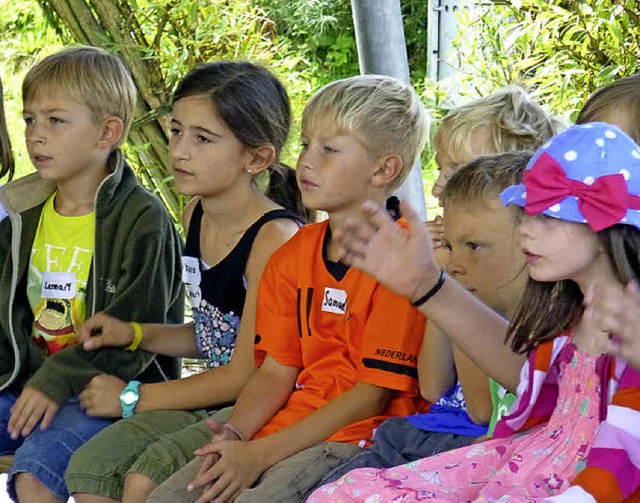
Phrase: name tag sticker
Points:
(190, 270)
(58, 285)
(191, 278)
(334, 301)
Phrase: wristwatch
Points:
(129, 398)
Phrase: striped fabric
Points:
(612, 473)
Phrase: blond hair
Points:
(621, 95)
(485, 177)
(91, 76)
(513, 119)
(386, 115)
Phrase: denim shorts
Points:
(46, 454)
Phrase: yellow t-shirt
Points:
(58, 272)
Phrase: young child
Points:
(617, 103)
(6, 155)
(230, 122)
(507, 120)
(82, 237)
(485, 256)
(576, 405)
(338, 352)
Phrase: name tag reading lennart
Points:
(58, 285)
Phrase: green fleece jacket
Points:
(135, 275)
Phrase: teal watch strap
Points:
(129, 398)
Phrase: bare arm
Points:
(212, 387)
(403, 261)
(224, 383)
(436, 367)
(102, 330)
(360, 402)
(264, 395)
(441, 365)
(475, 388)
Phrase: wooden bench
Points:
(5, 463)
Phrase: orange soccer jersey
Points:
(337, 331)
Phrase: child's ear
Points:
(260, 158)
(389, 167)
(112, 130)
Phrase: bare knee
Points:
(30, 489)
(137, 487)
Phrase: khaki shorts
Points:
(289, 480)
(155, 444)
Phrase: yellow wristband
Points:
(137, 336)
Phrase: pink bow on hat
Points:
(603, 203)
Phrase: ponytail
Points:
(283, 190)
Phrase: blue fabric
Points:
(46, 454)
(7, 445)
(449, 415)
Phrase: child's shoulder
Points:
(304, 244)
(309, 236)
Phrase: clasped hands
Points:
(229, 466)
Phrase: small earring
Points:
(249, 171)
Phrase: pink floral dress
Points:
(523, 468)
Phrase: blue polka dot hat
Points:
(588, 173)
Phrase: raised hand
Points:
(101, 397)
(401, 259)
(32, 406)
(436, 230)
(102, 330)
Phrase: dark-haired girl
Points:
(229, 124)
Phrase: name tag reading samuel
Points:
(335, 301)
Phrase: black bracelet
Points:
(432, 292)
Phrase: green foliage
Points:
(320, 30)
(562, 50)
(559, 50)
(23, 34)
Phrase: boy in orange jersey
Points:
(337, 350)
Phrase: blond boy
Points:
(82, 236)
(338, 352)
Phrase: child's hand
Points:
(103, 330)
(101, 397)
(400, 259)
(617, 311)
(436, 229)
(31, 407)
(237, 468)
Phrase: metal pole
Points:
(382, 51)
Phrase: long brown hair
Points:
(7, 164)
(548, 309)
(255, 106)
(621, 95)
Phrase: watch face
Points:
(129, 397)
